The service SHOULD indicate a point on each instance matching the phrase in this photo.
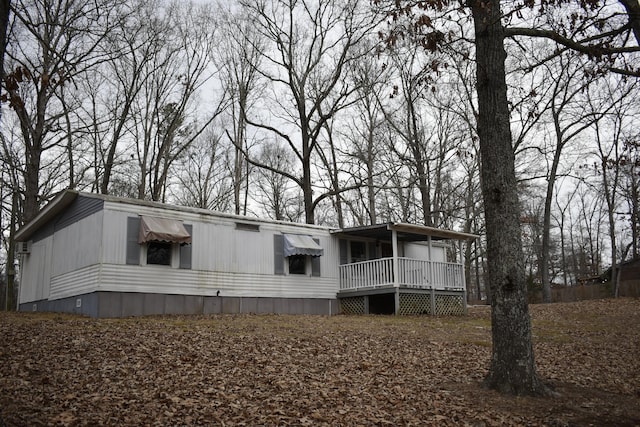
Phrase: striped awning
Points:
(297, 244)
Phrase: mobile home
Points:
(106, 256)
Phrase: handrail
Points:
(411, 272)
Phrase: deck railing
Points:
(411, 272)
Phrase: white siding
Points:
(159, 279)
(217, 244)
(36, 272)
(114, 236)
(84, 280)
(77, 245)
(235, 262)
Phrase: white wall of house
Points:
(64, 262)
(224, 259)
(36, 271)
(77, 245)
(420, 250)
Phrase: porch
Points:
(402, 284)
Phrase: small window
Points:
(298, 264)
(159, 253)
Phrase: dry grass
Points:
(311, 370)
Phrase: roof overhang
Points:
(406, 232)
(46, 214)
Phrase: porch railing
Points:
(411, 272)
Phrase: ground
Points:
(313, 370)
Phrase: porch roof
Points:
(406, 232)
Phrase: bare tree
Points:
(570, 119)
(279, 198)
(364, 130)
(309, 45)
(630, 165)
(131, 48)
(602, 33)
(407, 121)
(241, 53)
(203, 174)
(52, 44)
(164, 114)
(610, 134)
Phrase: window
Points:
(296, 251)
(358, 251)
(297, 264)
(159, 241)
(159, 253)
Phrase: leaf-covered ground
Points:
(308, 370)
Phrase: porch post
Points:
(430, 277)
(432, 285)
(464, 278)
(396, 271)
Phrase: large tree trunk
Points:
(512, 368)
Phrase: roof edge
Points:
(415, 229)
(48, 212)
(431, 231)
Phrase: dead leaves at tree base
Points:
(296, 370)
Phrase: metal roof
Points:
(406, 232)
(53, 208)
(66, 197)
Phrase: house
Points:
(630, 278)
(105, 256)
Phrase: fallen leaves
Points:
(308, 370)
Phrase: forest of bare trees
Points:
(336, 113)
(308, 111)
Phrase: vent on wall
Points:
(246, 226)
(24, 247)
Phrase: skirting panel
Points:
(411, 302)
(447, 305)
(126, 304)
(353, 305)
(415, 303)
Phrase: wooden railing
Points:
(411, 272)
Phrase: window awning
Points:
(296, 244)
(153, 229)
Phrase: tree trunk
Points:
(512, 368)
(11, 255)
(5, 9)
(32, 184)
(546, 227)
(307, 191)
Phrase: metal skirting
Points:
(411, 302)
(126, 304)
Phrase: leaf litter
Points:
(247, 370)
